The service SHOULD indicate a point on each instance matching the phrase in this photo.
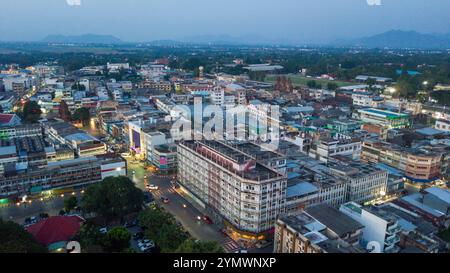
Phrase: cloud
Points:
(73, 2)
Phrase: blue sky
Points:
(146, 20)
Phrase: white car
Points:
(153, 187)
(103, 230)
(145, 244)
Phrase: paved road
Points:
(18, 213)
(186, 216)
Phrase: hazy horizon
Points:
(302, 21)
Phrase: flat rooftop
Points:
(383, 113)
(258, 173)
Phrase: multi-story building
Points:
(383, 117)
(380, 228)
(323, 149)
(241, 193)
(318, 229)
(364, 182)
(60, 174)
(418, 165)
(443, 125)
(164, 157)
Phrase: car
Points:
(153, 187)
(207, 220)
(103, 230)
(145, 243)
(165, 200)
(242, 251)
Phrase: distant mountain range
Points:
(390, 39)
(82, 39)
(400, 39)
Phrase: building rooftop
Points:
(229, 158)
(335, 220)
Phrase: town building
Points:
(318, 229)
(242, 194)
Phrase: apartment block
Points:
(244, 195)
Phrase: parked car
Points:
(103, 230)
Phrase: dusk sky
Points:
(305, 21)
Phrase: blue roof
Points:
(292, 175)
(389, 169)
(301, 188)
(429, 131)
(442, 194)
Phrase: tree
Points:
(117, 240)
(14, 239)
(64, 112)
(112, 198)
(312, 84)
(162, 228)
(83, 115)
(196, 246)
(31, 112)
(332, 86)
(70, 203)
(170, 237)
(90, 238)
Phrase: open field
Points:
(298, 80)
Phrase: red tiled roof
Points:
(6, 118)
(55, 229)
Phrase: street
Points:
(186, 216)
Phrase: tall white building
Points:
(240, 193)
(380, 228)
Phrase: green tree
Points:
(113, 198)
(14, 239)
(162, 228)
(332, 86)
(312, 84)
(70, 203)
(90, 238)
(195, 246)
(31, 112)
(83, 115)
(170, 237)
(117, 240)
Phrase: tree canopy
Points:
(113, 198)
(31, 112)
(117, 239)
(162, 228)
(196, 246)
(70, 203)
(83, 115)
(14, 239)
